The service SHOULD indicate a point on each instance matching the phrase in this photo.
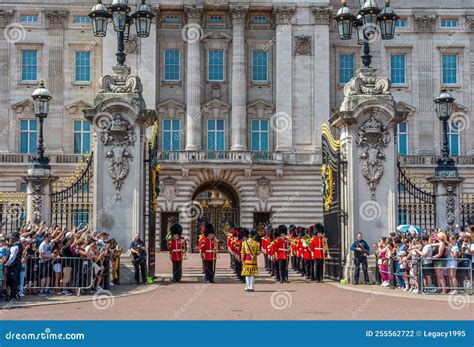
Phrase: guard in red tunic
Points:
(177, 248)
(210, 250)
(283, 253)
(200, 242)
(237, 249)
(264, 244)
(307, 256)
(229, 241)
(292, 239)
(317, 247)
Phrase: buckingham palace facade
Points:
(241, 90)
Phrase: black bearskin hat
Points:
(176, 229)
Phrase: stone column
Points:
(38, 196)
(9, 37)
(448, 209)
(193, 35)
(119, 118)
(56, 22)
(366, 122)
(239, 80)
(283, 120)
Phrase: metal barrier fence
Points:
(60, 273)
(432, 276)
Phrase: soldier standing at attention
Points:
(283, 253)
(209, 249)
(177, 248)
(250, 251)
(201, 240)
(317, 247)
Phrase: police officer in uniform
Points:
(13, 266)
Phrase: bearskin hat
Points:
(176, 229)
(208, 229)
(282, 229)
(319, 228)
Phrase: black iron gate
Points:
(71, 200)
(467, 210)
(333, 212)
(416, 202)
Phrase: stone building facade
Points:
(241, 90)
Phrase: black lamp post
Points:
(119, 11)
(41, 98)
(444, 108)
(369, 19)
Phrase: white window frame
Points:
(224, 65)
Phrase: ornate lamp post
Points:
(118, 12)
(41, 98)
(370, 19)
(444, 108)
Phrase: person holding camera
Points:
(361, 249)
(138, 252)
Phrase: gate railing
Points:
(467, 210)
(71, 201)
(12, 211)
(416, 204)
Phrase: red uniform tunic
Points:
(282, 248)
(230, 239)
(265, 243)
(317, 247)
(177, 248)
(237, 248)
(209, 248)
(306, 250)
(200, 242)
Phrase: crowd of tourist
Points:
(42, 260)
(441, 261)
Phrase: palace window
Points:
(449, 23)
(29, 19)
(216, 19)
(171, 18)
(401, 23)
(29, 65)
(83, 66)
(215, 135)
(346, 67)
(28, 133)
(398, 64)
(215, 65)
(402, 133)
(172, 65)
(260, 135)
(259, 66)
(260, 20)
(81, 19)
(450, 69)
(171, 135)
(454, 138)
(82, 137)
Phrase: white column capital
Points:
(283, 14)
(238, 14)
(193, 13)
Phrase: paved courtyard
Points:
(193, 299)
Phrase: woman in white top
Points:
(453, 254)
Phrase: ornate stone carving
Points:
(238, 13)
(5, 18)
(170, 188)
(302, 45)
(373, 135)
(56, 19)
(193, 13)
(119, 134)
(366, 82)
(120, 81)
(263, 188)
(322, 15)
(37, 202)
(131, 45)
(450, 207)
(284, 14)
(424, 23)
(470, 23)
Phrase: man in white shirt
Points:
(45, 265)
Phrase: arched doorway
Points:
(219, 206)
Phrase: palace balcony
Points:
(429, 161)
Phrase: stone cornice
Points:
(5, 18)
(424, 23)
(283, 14)
(56, 19)
(322, 15)
(193, 13)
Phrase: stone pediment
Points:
(23, 107)
(217, 35)
(170, 108)
(405, 108)
(260, 108)
(77, 106)
(216, 108)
